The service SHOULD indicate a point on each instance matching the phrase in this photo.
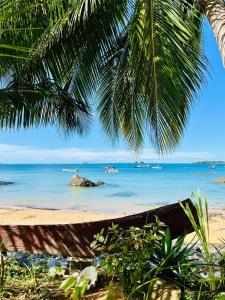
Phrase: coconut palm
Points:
(142, 60)
(214, 10)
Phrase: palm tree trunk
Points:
(214, 10)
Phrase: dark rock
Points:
(99, 182)
(83, 182)
(5, 182)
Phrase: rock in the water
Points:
(5, 182)
(220, 180)
(99, 182)
(83, 182)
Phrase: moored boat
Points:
(212, 167)
(157, 167)
(71, 170)
(75, 239)
(111, 170)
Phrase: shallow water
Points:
(46, 186)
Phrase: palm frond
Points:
(25, 105)
(165, 69)
(144, 58)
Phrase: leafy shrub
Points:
(137, 257)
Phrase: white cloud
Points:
(26, 154)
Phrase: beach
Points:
(216, 226)
(35, 216)
(31, 216)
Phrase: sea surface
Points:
(46, 186)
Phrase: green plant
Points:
(173, 260)
(2, 267)
(137, 257)
(210, 267)
(79, 282)
(34, 270)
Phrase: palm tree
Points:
(214, 10)
(142, 60)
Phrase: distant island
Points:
(210, 162)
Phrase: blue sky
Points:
(204, 137)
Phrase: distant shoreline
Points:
(95, 163)
(210, 162)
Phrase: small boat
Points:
(157, 167)
(71, 170)
(212, 167)
(111, 170)
(75, 239)
(142, 166)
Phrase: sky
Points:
(204, 138)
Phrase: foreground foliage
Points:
(138, 258)
(140, 63)
(133, 264)
(27, 281)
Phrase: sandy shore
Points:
(216, 226)
(33, 216)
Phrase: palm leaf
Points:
(24, 105)
(143, 58)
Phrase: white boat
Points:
(213, 167)
(142, 166)
(70, 170)
(111, 170)
(157, 167)
(139, 166)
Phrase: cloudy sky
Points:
(29, 154)
(203, 139)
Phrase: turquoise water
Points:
(46, 186)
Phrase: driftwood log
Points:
(74, 239)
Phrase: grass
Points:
(26, 282)
(24, 290)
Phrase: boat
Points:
(212, 167)
(71, 170)
(157, 167)
(111, 170)
(141, 165)
(75, 239)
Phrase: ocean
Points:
(46, 186)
